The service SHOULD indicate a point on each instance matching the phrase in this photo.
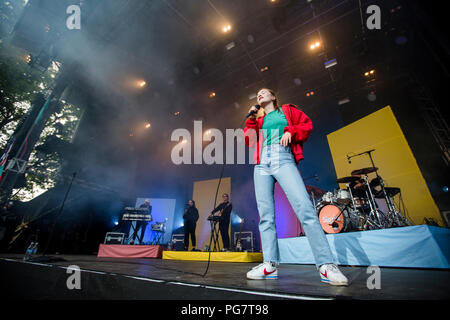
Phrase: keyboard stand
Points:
(214, 236)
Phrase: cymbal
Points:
(317, 192)
(364, 171)
(348, 179)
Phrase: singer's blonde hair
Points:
(275, 102)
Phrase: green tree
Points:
(19, 83)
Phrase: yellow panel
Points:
(203, 195)
(215, 256)
(392, 155)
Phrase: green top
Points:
(273, 127)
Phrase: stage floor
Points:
(111, 278)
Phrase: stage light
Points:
(368, 73)
(184, 141)
(330, 63)
(230, 46)
(307, 94)
(264, 69)
(212, 94)
(148, 125)
(372, 96)
(314, 45)
(116, 223)
(445, 189)
(28, 58)
(343, 101)
(131, 134)
(142, 84)
(176, 113)
(226, 28)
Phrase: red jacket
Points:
(299, 125)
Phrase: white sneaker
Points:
(329, 273)
(266, 270)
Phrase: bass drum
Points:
(334, 219)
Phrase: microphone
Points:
(253, 112)
(348, 158)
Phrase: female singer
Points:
(278, 137)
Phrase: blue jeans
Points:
(278, 164)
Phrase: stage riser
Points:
(409, 247)
(129, 251)
(215, 256)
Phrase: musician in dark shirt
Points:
(142, 225)
(224, 210)
(190, 217)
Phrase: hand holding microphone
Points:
(253, 111)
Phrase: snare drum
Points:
(327, 198)
(343, 197)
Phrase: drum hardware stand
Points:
(391, 209)
(372, 203)
(393, 215)
(374, 212)
(313, 200)
(362, 222)
(397, 218)
(351, 196)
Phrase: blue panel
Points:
(411, 247)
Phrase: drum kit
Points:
(355, 208)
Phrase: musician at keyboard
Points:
(223, 210)
(141, 224)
